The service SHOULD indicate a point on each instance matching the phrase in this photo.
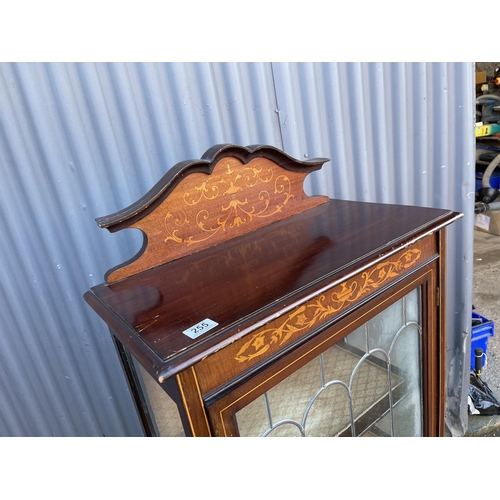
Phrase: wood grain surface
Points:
(248, 281)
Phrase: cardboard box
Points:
(480, 77)
(488, 222)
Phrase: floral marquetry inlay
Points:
(238, 195)
(325, 306)
(205, 208)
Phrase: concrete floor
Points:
(485, 297)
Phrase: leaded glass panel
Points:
(367, 385)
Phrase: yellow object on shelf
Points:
(485, 130)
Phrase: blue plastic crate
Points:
(480, 335)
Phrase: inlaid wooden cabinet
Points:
(255, 310)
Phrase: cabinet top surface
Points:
(243, 281)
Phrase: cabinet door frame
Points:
(222, 411)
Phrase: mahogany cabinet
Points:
(253, 309)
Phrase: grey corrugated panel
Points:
(396, 133)
(61, 371)
(78, 141)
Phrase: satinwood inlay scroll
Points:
(280, 332)
(225, 202)
(232, 190)
(318, 310)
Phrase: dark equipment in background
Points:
(482, 398)
(487, 134)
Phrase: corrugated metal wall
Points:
(396, 133)
(78, 141)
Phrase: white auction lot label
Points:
(200, 328)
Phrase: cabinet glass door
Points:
(369, 384)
